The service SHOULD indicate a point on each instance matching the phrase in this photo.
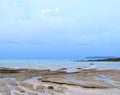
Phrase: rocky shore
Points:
(46, 82)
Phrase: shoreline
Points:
(40, 82)
(99, 60)
(67, 65)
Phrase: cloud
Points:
(59, 24)
(73, 21)
(45, 11)
(56, 10)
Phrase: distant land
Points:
(99, 59)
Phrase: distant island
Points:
(99, 60)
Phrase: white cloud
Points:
(19, 18)
(45, 11)
(56, 10)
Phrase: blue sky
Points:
(59, 28)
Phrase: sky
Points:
(59, 28)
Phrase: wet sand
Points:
(46, 82)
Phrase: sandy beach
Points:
(60, 82)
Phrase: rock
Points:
(62, 69)
(20, 90)
(31, 93)
(16, 93)
(50, 87)
(79, 68)
(5, 90)
(26, 85)
(91, 64)
(40, 88)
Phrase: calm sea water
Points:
(57, 64)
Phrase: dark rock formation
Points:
(100, 60)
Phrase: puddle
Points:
(106, 79)
(13, 90)
(11, 79)
(72, 79)
(9, 85)
(33, 79)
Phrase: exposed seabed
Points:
(59, 82)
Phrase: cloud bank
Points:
(60, 26)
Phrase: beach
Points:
(59, 47)
(59, 82)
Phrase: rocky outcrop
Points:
(100, 60)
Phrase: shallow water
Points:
(33, 79)
(11, 79)
(13, 88)
(106, 79)
(57, 64)
(73, 79)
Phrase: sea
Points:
(56, 64)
